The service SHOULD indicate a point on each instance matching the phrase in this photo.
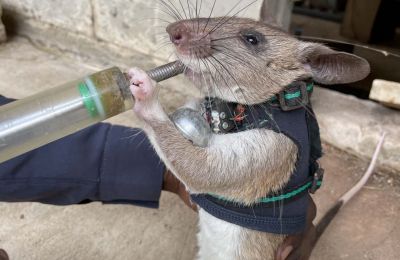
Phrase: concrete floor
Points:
(368, 228)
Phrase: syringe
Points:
(31, 122)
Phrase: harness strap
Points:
(295, 96)
(311, 185)
(227, 117)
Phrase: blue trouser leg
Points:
(108, 163)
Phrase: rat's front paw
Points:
(142, 88)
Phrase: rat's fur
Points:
(247, 165)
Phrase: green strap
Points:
(276, 198)
(289, 194)
(296, 94)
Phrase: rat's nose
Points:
(179, 38)
(188, 41)
(178, 33)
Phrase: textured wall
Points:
(133, 24)
(74, 15)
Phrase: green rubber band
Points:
(87, 100)
(277, 198)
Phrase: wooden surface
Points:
(359, 19)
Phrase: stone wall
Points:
(124, 24)
(355, 126)
(2, 29)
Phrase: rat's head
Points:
(246, 61)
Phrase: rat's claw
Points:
(142, 88)
(138, 76)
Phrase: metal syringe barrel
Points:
(50, 115)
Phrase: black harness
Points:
(289, 113)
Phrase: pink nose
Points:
(178, 33)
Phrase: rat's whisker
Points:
(237, 36)
(183, 9)
(170, 55)
(243, 61)
(239, 60)
(166, 12)
(237, 84)
(163, 45)
(162, 33)
(221, 93)
(206, 83)
(158, 30)
(307, 108)
(224, 17)
(171, 10)
(224, 38)
(132, 139)
(154, 18)
(223, 78)
(160, 41)
(164, 41)
(204, 79)
(132, 135)
(159, 9)
(194, 12)
(189, 64)
(229, 18)
(232, 54)
(267, 111)
(189, 9)
(161, 38)
(235, 57)
(198, 15)
(176, 10)
(209, 17)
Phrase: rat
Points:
(247, 62)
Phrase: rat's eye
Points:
(252, 39)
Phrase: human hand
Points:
(172, 184)
(299, 247)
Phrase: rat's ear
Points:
(266, 15)
(332, 67)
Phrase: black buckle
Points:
(304, 98)
(318, 177)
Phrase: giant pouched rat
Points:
(247, 62)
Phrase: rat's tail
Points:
(327, 218)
